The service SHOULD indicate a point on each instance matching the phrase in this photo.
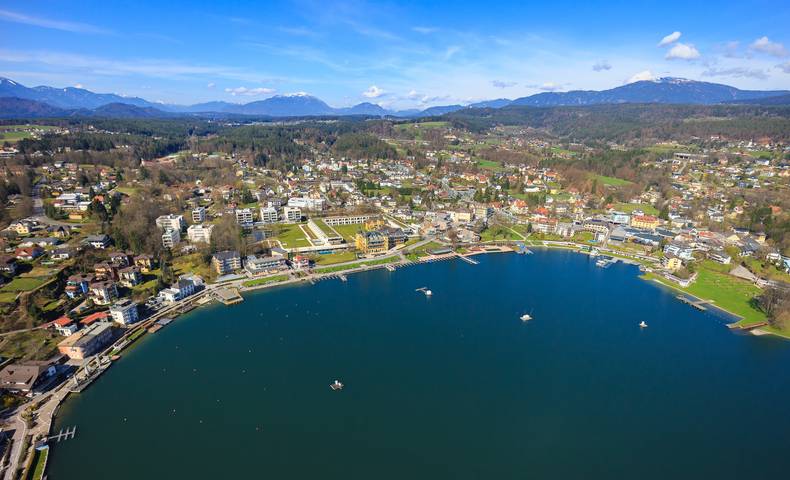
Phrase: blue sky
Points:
(398, 54)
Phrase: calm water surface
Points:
(449, 387)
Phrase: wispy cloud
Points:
(601, 66)
(736, 72)
(502, 84)
(671, 38)
(65, 26)
(425, 30)
(249, 92)
(765, 45)
(785, 67)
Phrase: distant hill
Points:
(777, 100)
(67, 98)
(663, 90)
(78, 101)
(11, 107)
(122, 110)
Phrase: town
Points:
(108, 236)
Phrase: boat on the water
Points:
(428, 293)
(336, 385)
(642, 324)
(526, 317)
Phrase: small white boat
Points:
(336, 385)
(526, 317)
(642, 324)
(428, 293)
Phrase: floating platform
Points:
(228, 296)
(699, 304)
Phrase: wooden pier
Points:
(68, 434)
(698, 304)
(468, 260)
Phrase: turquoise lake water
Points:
(450, 387)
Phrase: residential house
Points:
(226, 262)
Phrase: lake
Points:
(454, 386)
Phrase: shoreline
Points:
(194, 303)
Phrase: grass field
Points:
(348, 232)
(23, 284)
(265, 280)
(490, 165)
(7, 297)
(500, 233)
(291, 236)
(730, 293)
(333, 258)
(193, 263)
(630, 207)
(39, 463)
(612, 181)
(368, 263)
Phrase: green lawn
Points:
(613, 181)
(630, 207)
(265, 280)
(369, 263)
(291, 236)
(499, 233)
(39, 463)
(30, 345)
(348, 232)
(730, 293)
(23, 284)
(333, 258)
(490, 165)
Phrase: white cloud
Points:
(601, 66)
(52, 24)
(373, 92)
(502, 84)
(249, 92)
(211, 85)
(671, 38)
(682, 51)
(451, 50)
(641, 76)
(550, 87)
(765, 45)
(785, 67)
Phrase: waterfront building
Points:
(226, 262)
(170, 222)
(671, 262)
(596, 226)
(124, 312)
(300, 262)
(87, 341)
(199, 215)
(65, 326)
(200, 233)
(171, 238)
(680, 250)
(261, 265)
(372, 242)
(325, 234)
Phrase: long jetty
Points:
(698, 304)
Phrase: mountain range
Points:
(17, 100)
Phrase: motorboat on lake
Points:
(526, 317)
(336, 385)
(642, 324)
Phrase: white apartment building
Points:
(124, 312)
(307, 203)
(269, 215)
(244, 217)
(200, 233)
(292, 214)
(171, 222)
(199, 215)
(171, 238)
